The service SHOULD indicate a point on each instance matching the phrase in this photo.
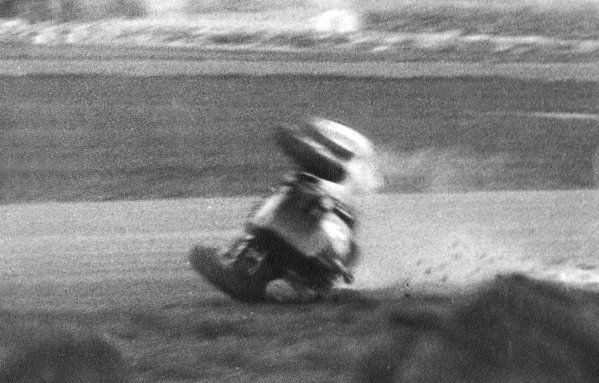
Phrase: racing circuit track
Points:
(122, 253)
(120, 268)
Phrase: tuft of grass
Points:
(514, 328)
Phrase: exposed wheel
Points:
(240, 272)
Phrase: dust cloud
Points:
(444, 170)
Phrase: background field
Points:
(90, 137)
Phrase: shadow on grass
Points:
(51, 354)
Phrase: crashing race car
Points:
(300, 242)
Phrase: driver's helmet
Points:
(333, 152)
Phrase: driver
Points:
(356, 156)
(336, 163)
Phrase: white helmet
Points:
(333, 152)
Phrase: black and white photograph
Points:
(299, 191)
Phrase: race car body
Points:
(301, 240)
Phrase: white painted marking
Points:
(567, 116)
(547, 115)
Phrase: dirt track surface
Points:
(120, 253)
